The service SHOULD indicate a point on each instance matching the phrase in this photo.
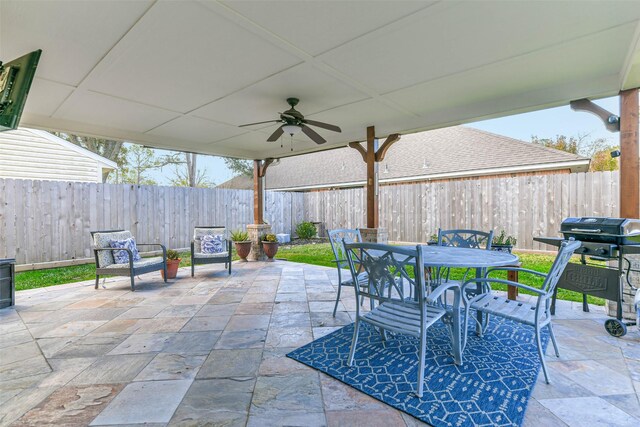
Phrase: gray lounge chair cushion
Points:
(103, 240)
(216, 255)
(144, 262)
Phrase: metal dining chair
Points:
(390, 270)
(473, 239)
(336, 238)
(537, 314)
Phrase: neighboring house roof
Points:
(453, 152)
(36, 154)
(240, 182)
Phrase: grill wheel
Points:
(615, 328)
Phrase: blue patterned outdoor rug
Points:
(491, 388)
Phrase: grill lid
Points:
(601, 229)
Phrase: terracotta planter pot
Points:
(243, 249)
(172, 268)
(270, 249)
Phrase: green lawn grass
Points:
(316, 254)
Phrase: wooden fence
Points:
(45, 221)
(525, 207)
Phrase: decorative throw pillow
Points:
(122, 257)
(212, 244)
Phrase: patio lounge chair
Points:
(220, 251)
(106, 264)
(537, 314)
(336, 238)
(386, 267)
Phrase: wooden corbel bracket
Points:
(610, 120)
(262, 170)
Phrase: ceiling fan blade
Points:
(313, 135)
(260, 123)
(323, 125)
(274, 136)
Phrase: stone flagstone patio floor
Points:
(210, 350)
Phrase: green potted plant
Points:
(242, 243)
(503, 242)
(433, 240)
(270, 245)
(173, 262)
(306, 230)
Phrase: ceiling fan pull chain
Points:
(291, 142)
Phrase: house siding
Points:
(27, 155)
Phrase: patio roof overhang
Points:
(185, 75)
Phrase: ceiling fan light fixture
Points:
(291, 129)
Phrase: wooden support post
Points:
(373, 155)
(372, 179)
(629, 155)
(258, 193)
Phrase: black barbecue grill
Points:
(603, 239)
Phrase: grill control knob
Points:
(601, 251)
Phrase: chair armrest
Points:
(164, 249)
(437, 292)
(503, 281)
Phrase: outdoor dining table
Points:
(456, 257)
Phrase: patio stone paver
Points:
(588, 412)
(211, 323)
(222, 402)
(192, 342)
(252, 338)
(231, 364)
(71, 405)
(169, 366)
(144, 402)
(143, 343)
(113, 369)
(248, 322)
(89, 346)
(211, 350)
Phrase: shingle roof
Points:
(450, 150)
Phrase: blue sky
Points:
(544, 124)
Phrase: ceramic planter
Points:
(243, 249)
(172, 268)
(270, 249)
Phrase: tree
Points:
(107, 148)
(239, 166)
(598, 150)
(570, 145)
(602, 161)
(140, 160)
(187, 174)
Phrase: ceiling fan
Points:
(292, 122)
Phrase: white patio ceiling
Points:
(184, 74)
